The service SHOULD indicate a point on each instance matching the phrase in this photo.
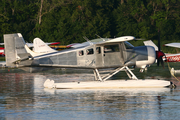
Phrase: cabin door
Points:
(112, 55)
(99, 56)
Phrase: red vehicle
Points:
(2, 51)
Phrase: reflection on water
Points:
(22, 96)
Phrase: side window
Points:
(98, 50)
(81, 53)
(111, 48)
(90, 51)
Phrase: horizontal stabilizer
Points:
(41, 47)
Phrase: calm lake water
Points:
(23, 97)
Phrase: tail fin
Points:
(14, 48)
(150, 43)
(41, 47)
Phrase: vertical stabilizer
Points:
(150, 43)
(10, 53)
(14, 48)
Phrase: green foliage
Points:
(68, 21)
(2, 58)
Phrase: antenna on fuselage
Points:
(100, 37)
(87, 40)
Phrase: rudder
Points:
(14, 48)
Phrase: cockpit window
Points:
(128, 45)
(90, 51)
(111, 48)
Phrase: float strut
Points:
(97, 75)
(133, 76)
(102, 79)
(113, 73)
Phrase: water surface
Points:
(23, 97)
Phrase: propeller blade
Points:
(159, 53)
(162, 62)
(140, 39)
(159, 45)
(165, 58)
(157, 62)
(159, 57)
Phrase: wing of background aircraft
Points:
(177, 45)
(32, 44)
(173, 57)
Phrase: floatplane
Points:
(116, 53)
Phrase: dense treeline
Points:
(68, 21)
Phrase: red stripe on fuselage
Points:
(175, 58)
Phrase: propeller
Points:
(159, 53)
(159, 57)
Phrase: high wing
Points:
(89, 42)
(103, 40)
(177, 45)
(121, 39)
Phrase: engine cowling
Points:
(142, 56)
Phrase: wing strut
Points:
(104, 78)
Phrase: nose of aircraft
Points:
(146, 55)
(142, 56)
